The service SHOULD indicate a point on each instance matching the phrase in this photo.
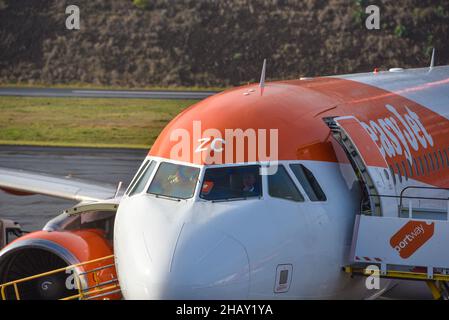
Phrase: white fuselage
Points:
(197, 249)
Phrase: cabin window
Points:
(280, 185)
(437, 161)
(399, 173)
(432, 163)
(143, 179)
(231, 183)
(393, 174)
(308, 182)
(174, 181)
(410, 168)
(427, 164)
(404, 168)
(422, 165)
(415, 164)
(442, 159)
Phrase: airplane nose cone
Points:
(208, 265)
(203, 263)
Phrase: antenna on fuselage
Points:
(262, 76)
(432, 60)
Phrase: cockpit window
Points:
(174, 181)
(308, 182)
(280, 185)
(231, 183)
(133, 182)
(143, 179)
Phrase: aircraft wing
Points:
(21, 182)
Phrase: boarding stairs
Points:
(401, 231)
(413, 245)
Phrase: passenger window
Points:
(174, 181)
(143, 179)
(410, 168)
(231, 183)
(393, 174)
(308, 182)
(386, 174)
(437, 161)
(427, 164)
(399, 173)
(416, 167)
(442, 159)
(280, 185)
(404, 168)
(432, 163)
(422, 165)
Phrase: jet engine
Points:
(69, 239)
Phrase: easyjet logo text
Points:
(411, 237)
(398, 134)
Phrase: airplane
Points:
(251, 193)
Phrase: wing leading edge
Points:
(21, 182)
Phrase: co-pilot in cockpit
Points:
(227, 183)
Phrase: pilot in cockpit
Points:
(231, 183)
(250, 186)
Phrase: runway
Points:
(94, 93)
(102, 165)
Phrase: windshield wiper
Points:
(230, 199)
(165, 197)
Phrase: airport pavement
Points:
(95, 93)
(101, 165)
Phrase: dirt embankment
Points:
(213, 42)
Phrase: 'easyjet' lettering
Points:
(397, 134)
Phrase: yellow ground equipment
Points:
(83, 281)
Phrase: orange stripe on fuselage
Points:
(296, 109)
(409, 130)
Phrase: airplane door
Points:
(368, 163)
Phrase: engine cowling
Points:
(44, 251)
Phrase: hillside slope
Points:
(213, 43)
